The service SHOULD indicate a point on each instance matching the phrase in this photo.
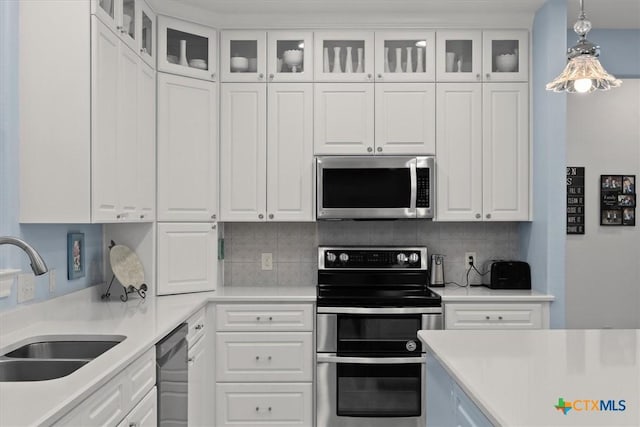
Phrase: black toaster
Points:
(507, 275)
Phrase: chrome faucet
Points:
(37, 263)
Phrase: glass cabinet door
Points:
(405, 56)
(105, 10)
(343, 56)
(146, 33)
(186, 48)
(505, 55)
(128, 23)
(289, 56)
(458, 56)
(243, 56)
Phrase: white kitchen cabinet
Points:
(120, 17)
(459, 151)
(146, 142)
(146, 33)
(145, 413)
(266, 165)
(505, 151)
(343, 56)
(505, 56)
(243, 56)
(199, 396)
(344, 118)
(405, 56)
(187, 49)
(196, 325)
(252, 405)
(187, 257)
(264, 317)
(289, 56)
(187, 149)
(496, 315)
(459, 56)
(405, 118)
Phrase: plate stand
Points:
(127, 289)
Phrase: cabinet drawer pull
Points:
(478, 216)
(487, 317)
(141, 216)
(257, 409)
(213, 227)
(268, 357)
(133, 424)
(369, 76)
(258, 318)
(379, 149)
(213, 75)
(260, 76)
(191, 359)
(118, 216)
(270, 216)
(198, 327)
(478, 76)
(499, 317)
(369, 149)
(257, 357)
(271, 76)
(260, 216)
(213, 216)
(488, 216)
(488, 76)
(270, 318)
(380, 76)
(269, 408)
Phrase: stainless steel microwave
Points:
(371, 187)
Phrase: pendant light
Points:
(583, 73)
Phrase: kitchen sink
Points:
(37, 370)
(62, 350)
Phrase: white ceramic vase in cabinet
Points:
(459, 56)
(187, 149)
(187, 257)
(505, 56)
(459, 148)
(419, 45)
(344, 118)
(405, 118)
(195, 43)
(505, 152)
(337, 43)
(289, 56)
(243, 56)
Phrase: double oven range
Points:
(370, 364)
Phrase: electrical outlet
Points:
(52, 280)
(469, 260)
(26, 287)
(267, 261)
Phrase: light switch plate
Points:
(52, 280)
(267, 261)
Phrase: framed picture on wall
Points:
(618, 200)
(75, 256)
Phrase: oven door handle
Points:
(333, 358)
(414, 186)
(380, 310)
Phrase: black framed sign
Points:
(575, 200)
(618, 200)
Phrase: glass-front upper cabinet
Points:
(289, 57)
(186, 48)
(403, 56)
(243, 56)
(146, 36)
(459, 56)
(505, 55)
(343, 56)
(119, 16)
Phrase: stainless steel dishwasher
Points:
(173, 378)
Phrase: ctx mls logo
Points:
(586, 405)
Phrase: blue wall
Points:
(619, 50)
(543, 240)
(49, 240)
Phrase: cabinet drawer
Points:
(264, 317)
(141, 376)
(265, 356)
(196, 327)
(249, 405)
(493, 316)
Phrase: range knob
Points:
(402, 258)
(413, 258)
(344, 257)
(331, 257)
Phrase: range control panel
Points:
(372, 258)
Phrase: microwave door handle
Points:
(332, 358)
(414, 186)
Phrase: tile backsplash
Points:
(294, 246)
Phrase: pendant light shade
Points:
(583, 73)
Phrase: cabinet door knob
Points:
(213, 216)
(488, 76)
(257, 357)
(269, 408)
(379, 149)
(190, 360)
(260, 76)
(257, 408)
(213, 75)
(119, 27)
(488, 216)
(271, 76)
(270, 216)
(133, 424)
(268, 357)
(487, 317)
(118, 216)
(499, 317)
(141, 216)
(213, 227)
(478, 216)
(260, 216)
(198, 327)
(369, 149)
(369, 76)
(380, 76)
(270, 318)
(478, 76)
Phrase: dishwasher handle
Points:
(171, 341)
(333, 358)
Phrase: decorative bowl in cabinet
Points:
(198, 63)
(173, 59)
(507, 62)
(239, 64)
(293, 59)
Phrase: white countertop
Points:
(143, 322)
(453, 293)
(516, 377)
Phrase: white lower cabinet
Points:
(496, 315)
(145, 413)
(260, 404)
(187, 257)
(264, 317)
(198, 385)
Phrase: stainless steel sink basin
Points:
(37, 370)
(62, 350)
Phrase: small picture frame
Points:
(627, 200)
(611, 217)
(75, 256)
(611, 182)
(629, 184)
(629, 216)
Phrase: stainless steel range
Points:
(370, 364)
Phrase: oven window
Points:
(366, 188)
(366, 390)
(377, 333)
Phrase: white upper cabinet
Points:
(243, 152)
(505, 56)
(243, 56)
(289, 57)
(459, 149)
(344, 118)
(405, 56)
(122, 17)
(344, 56)
(459, 56)
(506, 151)
(186, 48)
(146, 33)
(405, 118)
(146, 143)
(187, 149)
